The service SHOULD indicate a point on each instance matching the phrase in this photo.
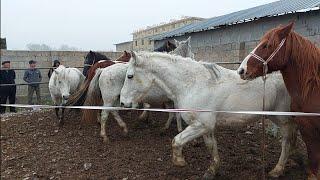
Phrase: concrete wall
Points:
(126, 46)
(233, 43)
(20, 59)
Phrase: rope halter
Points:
(265, 62)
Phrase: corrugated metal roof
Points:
(271, 9)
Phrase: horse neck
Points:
(177, 77)
(301, 74)
(182, 51)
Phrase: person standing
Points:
(7, 76)
(56, 63)
(33, 75)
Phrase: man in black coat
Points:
(7, 76)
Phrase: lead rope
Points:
(264, 78)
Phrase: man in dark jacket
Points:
(7, 76)
(33, 75)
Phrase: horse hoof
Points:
(179, 161)
(125, 131)
(276, 172)
(60, 123)
(105, 140)
(208, 175)
(312, 177)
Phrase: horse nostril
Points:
(65, 97)
(241, 71)
(122, 104)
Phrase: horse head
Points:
(137, 83)
(183, 48)
(93, 57)
(125, 57)
(269, 55)
(62, 82)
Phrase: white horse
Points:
(192, 85)
(107, 83)
(63, 82)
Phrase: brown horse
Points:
(79, 97)
(299, 62)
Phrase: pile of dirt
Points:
(33, 146)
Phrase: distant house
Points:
(141, 38)
(124, 46)
(3, 43)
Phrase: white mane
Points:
(160, 55)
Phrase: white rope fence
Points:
(268, 113)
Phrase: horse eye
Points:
(130, 76)
(265, 46)
(59, 82)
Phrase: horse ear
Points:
(284, 31)
(189, 39)
(176, 42)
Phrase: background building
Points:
(124, 46)
(141, 38)
(230, 37)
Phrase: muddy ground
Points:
(34, 147)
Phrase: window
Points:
(142, 41)
(136, 43)
(149, 42)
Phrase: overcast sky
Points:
(98, 24)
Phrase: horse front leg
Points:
(288, 132)
(62, 117)
(120, 122)
(144, 116)
(211, 144)
(57, 112)
(190, 133)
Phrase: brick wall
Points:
(20, 59)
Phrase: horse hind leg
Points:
(288, 132)
(103, 121)
(211, 144)
(120, 122)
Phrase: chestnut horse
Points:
(299, 62)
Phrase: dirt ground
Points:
(34, 147)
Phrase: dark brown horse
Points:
(92, 58)
(166, 47)
(299, 62)
(79, 97)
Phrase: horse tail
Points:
(77, 98)
(93, 98)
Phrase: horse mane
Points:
(166, 47)
(164, 56)
(213, 69)
(306, 57)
